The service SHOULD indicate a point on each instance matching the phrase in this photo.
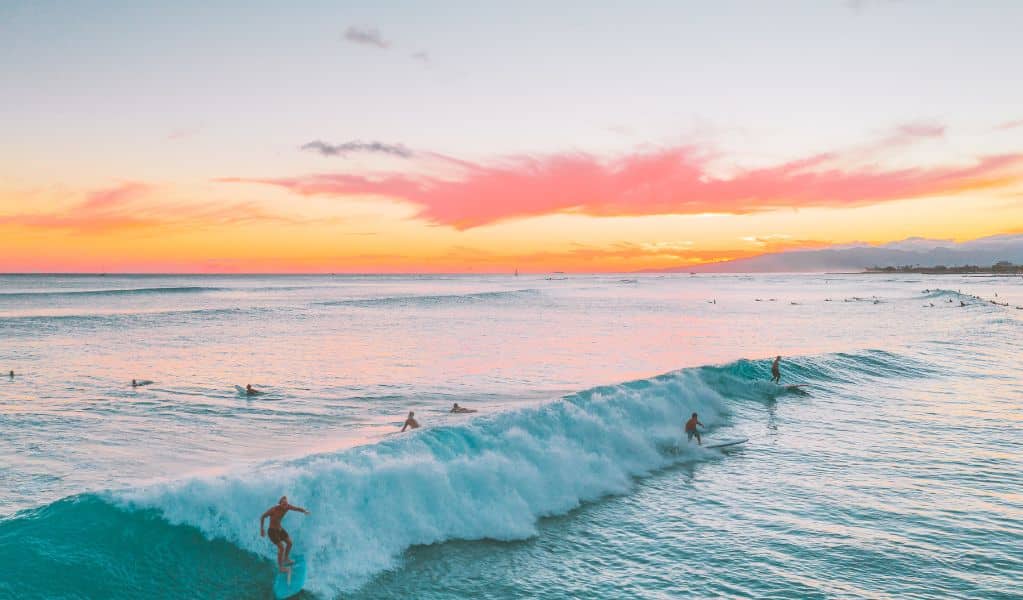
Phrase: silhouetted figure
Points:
(410, 422)
(775, 370)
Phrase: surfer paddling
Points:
(775, 370)
(251, 391)
(410, 422)
(691, 430)
(278, 536)
(461, 409)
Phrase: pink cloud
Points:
(126, 207)
(669, 181)
(114, 197)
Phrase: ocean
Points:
(896, 471)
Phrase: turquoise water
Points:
(897, 473)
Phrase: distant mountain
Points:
(912, 251)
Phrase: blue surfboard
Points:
(285, 589)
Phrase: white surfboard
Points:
(727, 443)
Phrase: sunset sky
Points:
(467, 136)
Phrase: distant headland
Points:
(1003, 267)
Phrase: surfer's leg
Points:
(287, 551)
(698, 440)
(280, 555)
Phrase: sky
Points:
(230, 136)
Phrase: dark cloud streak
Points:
(357, 146)
(369, 36)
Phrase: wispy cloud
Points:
(366, 36)
(356, 146)
(1009, 125)
(909, 132)
(128, 206)
(667, 181)
(861, 5)
(422, 56)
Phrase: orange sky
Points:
(166, 138)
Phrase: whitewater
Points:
(894, 472)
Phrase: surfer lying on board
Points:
(410, 422)
(775, 371)
(461, 409)
(251, 391)
(278, 535)
(691, 429)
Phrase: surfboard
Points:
(241, 390)
(728, 443)
(282, 588)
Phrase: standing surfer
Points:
(775, 371)
(691, 429)
(278, 535)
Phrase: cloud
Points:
(115, 196)
(422, 55)
(356, 146)
(1009, 125)
(666, 181)
(369, 36)
(917, 130)
(128, 207)
(861, 5)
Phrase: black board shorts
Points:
(277, 535)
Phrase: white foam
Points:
(493, 477)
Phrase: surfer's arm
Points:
(262, 532)
(298, 508)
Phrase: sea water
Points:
(896, 472)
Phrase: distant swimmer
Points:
(775, 370)
(461, 409)
(140, 382)
(251, 390)
(691, 429)
(410, 422)
(278, 536)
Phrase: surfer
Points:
(278, 536)
(12, 373)
(410, 422)
(691, 429)
(775, 370)
(251, 391)
(461, 409)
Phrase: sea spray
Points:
(491, 478)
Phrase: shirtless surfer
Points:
(410, 422)
(278, 535)
(251, 391)
(461, 409)
(775, 370)
(691, 429)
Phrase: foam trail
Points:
(491, 478)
